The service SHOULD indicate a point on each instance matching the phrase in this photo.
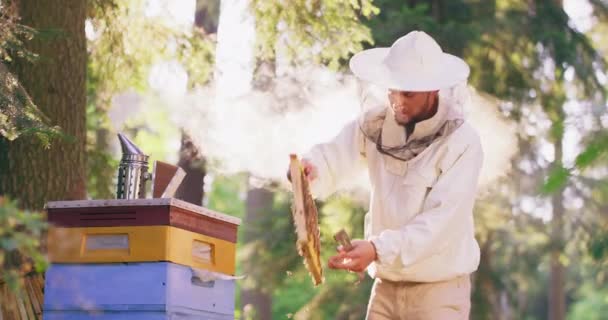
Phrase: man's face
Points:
(411, 106)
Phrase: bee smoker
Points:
(132, 171)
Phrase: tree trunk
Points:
(191, 160)
(557, 277)
(259, 202)
(557, 294)
(101, 174)
(56, 83)
(234, 79)
(557, 290)
(486, 296)
(207, 15)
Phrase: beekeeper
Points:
(423, 161)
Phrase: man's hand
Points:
(310, 171)
(357, 259)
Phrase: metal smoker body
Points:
(132, 171)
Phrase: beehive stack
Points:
(139, 259)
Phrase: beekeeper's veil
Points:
(414, 63)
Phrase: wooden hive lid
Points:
(143, 202)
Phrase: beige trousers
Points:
(445, 300)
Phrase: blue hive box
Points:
(155, 290)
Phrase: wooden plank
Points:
(166, 179)
(27, 301)
(194, 222)
(10, 307)
(161, 176)
(19, 301)
(34, 302)
(2, 301)
(14, 305)
(39, 294)
(37, 284)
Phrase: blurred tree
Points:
(207, 15)
(300, 32)
(56, 84)
(322, 32)
(519, 51)
(259, 297)
(123, 46)
(191, 158)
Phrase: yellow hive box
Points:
(141, 244)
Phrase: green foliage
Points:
(18, 113)
(278, 269)
(512, 251)
(339, 297)
(450, 23)
(274, 250)
(595, 150)
(598, 246)
(197, 54)
(324, 32)
(102, 169)
(125, 45)
(20, 232)
(152, 131)
(591, 304)
(556, 180)
(13, 35)
(227, 194)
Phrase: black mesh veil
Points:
(375, 111)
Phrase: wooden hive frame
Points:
(305, 218)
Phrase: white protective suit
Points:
(421, 210)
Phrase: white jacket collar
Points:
(394, 134)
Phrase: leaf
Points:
(598, 247)
(18, 114)
(594, 150)
(556, 180)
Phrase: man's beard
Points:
(403, 120)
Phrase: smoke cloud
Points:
(257, 132)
